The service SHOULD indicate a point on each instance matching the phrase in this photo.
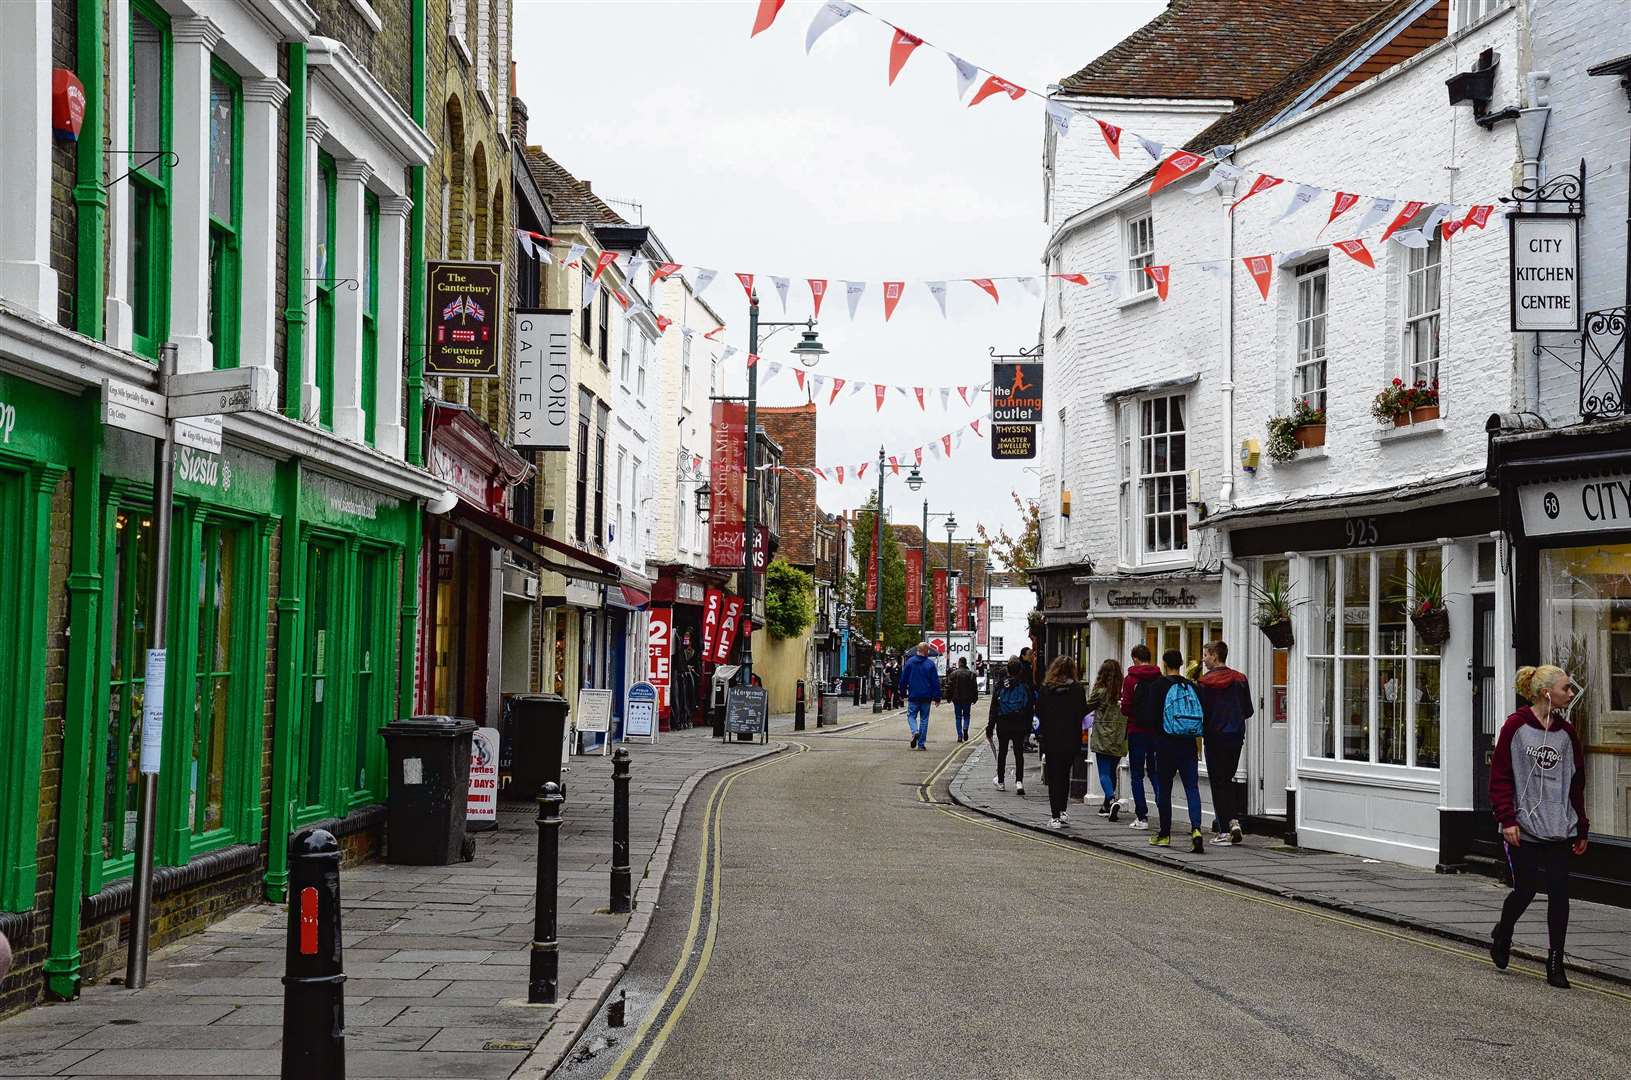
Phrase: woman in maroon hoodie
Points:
(1537, 788)
(1140, 738)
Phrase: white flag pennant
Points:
(1031, 286)
(1290, 258)
(945, 399)
(1412, 238)
(575, 252)
(701, 278)
(1060, 114)
(903, 391)
(966, 74)
(852, 292)
(1219, 173)
(819, 382)
(1379, 209)
(1434, 216)
(960, 433)
(1216, 269)
(730, 351)
(772, 369)
(1111, 280)
(937, 289)
(781, 284)
(637, 265)
(1152, 148)
(526, 244)
(590, 289)
(1305, 194)
(830, 15)
(934, 449)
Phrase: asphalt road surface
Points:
(852, 922)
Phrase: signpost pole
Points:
(141, 893)
(877, 562)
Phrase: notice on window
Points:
(153, 712)
(1545, 272)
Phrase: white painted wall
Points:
(1013, 627)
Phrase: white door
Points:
(1270, 674)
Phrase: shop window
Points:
(226, 212)
(1187, 637)
(1421, 332)
(1586, 630)
(328, 190)
(149, 165)
(1374, 685)
(640, 367)
(1162, 480)
(128, 596)
(1467, 12)
(603, 333)
(217, 701)
(370, 317)
(625, 364)
(1312, 297)
(622, 474)
(587, 310)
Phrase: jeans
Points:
(917, 718)
(1141, 759)
(1108, 767)
(1176, 756)
(1538, 866)
(1222, 759)
(1016, 739)
(1057, 772)
(961, 711)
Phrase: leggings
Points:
(1538, 866)
(1057, 771)
(1016, 739)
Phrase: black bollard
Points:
(620, 831)
(798, 706)
(543, 977)
(314, 971)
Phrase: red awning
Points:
(635, 598)
(515, 534)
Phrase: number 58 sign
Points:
(659, 651)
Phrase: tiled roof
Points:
(1232, 49)
(570, 200)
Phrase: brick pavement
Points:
(436, 957)
(1459, 906)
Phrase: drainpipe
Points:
(294, 230)
(90, 197)
(413, 530)
(1226, 320)
(1531, 140)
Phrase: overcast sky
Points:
(747, 155)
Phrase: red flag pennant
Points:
(1477, 217)
(975, 424)
(1160, 275)
(891, 297)
(1261, 268)
(837, 385)
(900, 48)
(962, 392)
(839, 472)
(753, 358)
(878, 394)
(918, 454)
(1112, 136)
(1179, 164)
(606, 259)
(860, 470)
(1263, 182)
(820, 472)
(747, 284)
(768, 10)
(918, 390)
(622, 301)
(1450, 228)
(894, 463)
(989, 286)
(712, 335)
(1411, 209)
(1340, 205)
(818, 289)
(1357, 251)
(798, 374)
(660, 272)
(945, 442)
(994, 85)
(1074, 279)
(663, 323)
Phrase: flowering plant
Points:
(1282, 441)
(1399, 398)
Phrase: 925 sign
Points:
(1361, 532)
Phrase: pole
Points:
(750, 512)
(141, 892)
(925, 585)
(543, 976)
(877, 559)
(314, 965)
(620, 831)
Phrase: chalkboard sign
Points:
(640, 713)
(747, 709)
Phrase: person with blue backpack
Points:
(1012, 705)
(1170, 706)
(920, 682)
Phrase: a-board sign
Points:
(1013, 442)
(640, 712)
(747, 710)
(593, 714)
(482, 802)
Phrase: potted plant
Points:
(1303, 429)
(1274, 607)
(1406, 404)
(1424, 406)
(1429, 612)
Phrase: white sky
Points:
(747, 155)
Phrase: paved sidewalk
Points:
(1459, 906)
(436, 957)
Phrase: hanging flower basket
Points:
(1279, 634)
(1432, 627)
(1309, 436)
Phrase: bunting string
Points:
(941, 447)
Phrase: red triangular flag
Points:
(622, 301)
(1340, 205)
(945, 441)
(712, 334)
(798, 375)
(839, 472)
(1263, 182)
(891, 297)
(1450, 228)
(993, 85)
(988, 286)
(1261, 268)
(918, 390)
(918, 454)
(1477, 217)
(962, 392)
(606, 259)
(768, 10)
(879, 392)
(894, 463)
(1357, 251)
(1411, 209)
(818, 289)
(899, 49)
(1179, 164)
(1074, 279)
(1112, 136)
(753, 358)
(860, 470)
(837, 385)
(747, 284)
(663, 323)
(1159, 275)
(975, 424)
(660, 272)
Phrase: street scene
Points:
(785, 538)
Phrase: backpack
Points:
(1014, 700)
(1181, 712)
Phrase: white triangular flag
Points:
(1060, 114)
(1305, 194)
(1290, 258)
(938, 290)
(903, 391)
(1220, 173)
(1112, 281)
(1434, 216)
(1211, 266)
(526, 244)
(1031, 286)
(934, 449)
(830, 15)
(701, 278)
(1218, 153)
(772, 369)
(575, 252)
(853, 291)
(781, 284)
(966, 74)
(730, 351)
(857, 387)
(542, 254)
(637, 265)
(960, 433)
(1152, 148)
(1379, 209)
(590, 288)
(818, 381)
(945, 399)
(1412, 238)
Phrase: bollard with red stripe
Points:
(314, 970)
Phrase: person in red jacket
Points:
(1141, 739)
(1537, 789)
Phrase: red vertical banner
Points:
(982, 625)
(729, 622)
(941, 615)
(713, 610)
(872, 580)
(726, 484)
(914, 586)
(962, 607)
(659, 652)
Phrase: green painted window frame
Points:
(149, 181)
(370, 316)
(328, 179)
(226, 261)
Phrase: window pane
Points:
(1175, 444)
(1175, 406)
(1321, 592)
(1392, 747)
(1391, 567)
(141, 254)
(221, 161)
(1356, 710)
(146, 91)
(320, 586)
(212, 703)
(1320, 743)
(1356, 613)
(1427, 710)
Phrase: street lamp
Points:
(877, 561)
(809, 350)
(914, 479)
(951, 597)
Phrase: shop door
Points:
(1485, 699)
(1270, 727)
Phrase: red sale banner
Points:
(713, 610)
(941, 615)
(914, 586)
(659, 647)
(728, 625)
(726, 483)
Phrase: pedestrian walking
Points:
(1029, 661)
(1169, 705)
(1061, 706)
(1012, 704)
(1140, 738)
(1108, 739)
(1226, 703)
(962, 692)
(1537, 789)
(920, 682)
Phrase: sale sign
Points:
(941, 615)
(729, 623)
(727, 482)
(914, 586)
(713, 610)
(659, 651)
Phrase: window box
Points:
(1309, 436)
(1423, 413)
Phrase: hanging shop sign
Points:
(463, 310)
(1582, 505)
(713, 611)
(872, 580)
(726, 481)
(1016, 392)
(543, 380)
(1545, 269)
(730, 621)
(1013, 442)
(914, 586)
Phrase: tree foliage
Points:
(896, 634)
(1023, 551)
(789, 599)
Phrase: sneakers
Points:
(1196, 844)
(996, 782)
(1019, 787)
(911, 744)
(1500, 948)
(1104, 808)
(1056, 823)
(1220, 838)
(1115, 810)
(1141, 823)
(1160, 839)
(1235, 833)
(1064, 817)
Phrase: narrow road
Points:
(851, 922)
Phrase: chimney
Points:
(518, 121)
(588, 187)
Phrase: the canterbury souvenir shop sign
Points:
(463, 308)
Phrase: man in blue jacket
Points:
(920, 682)
(1226, 704)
